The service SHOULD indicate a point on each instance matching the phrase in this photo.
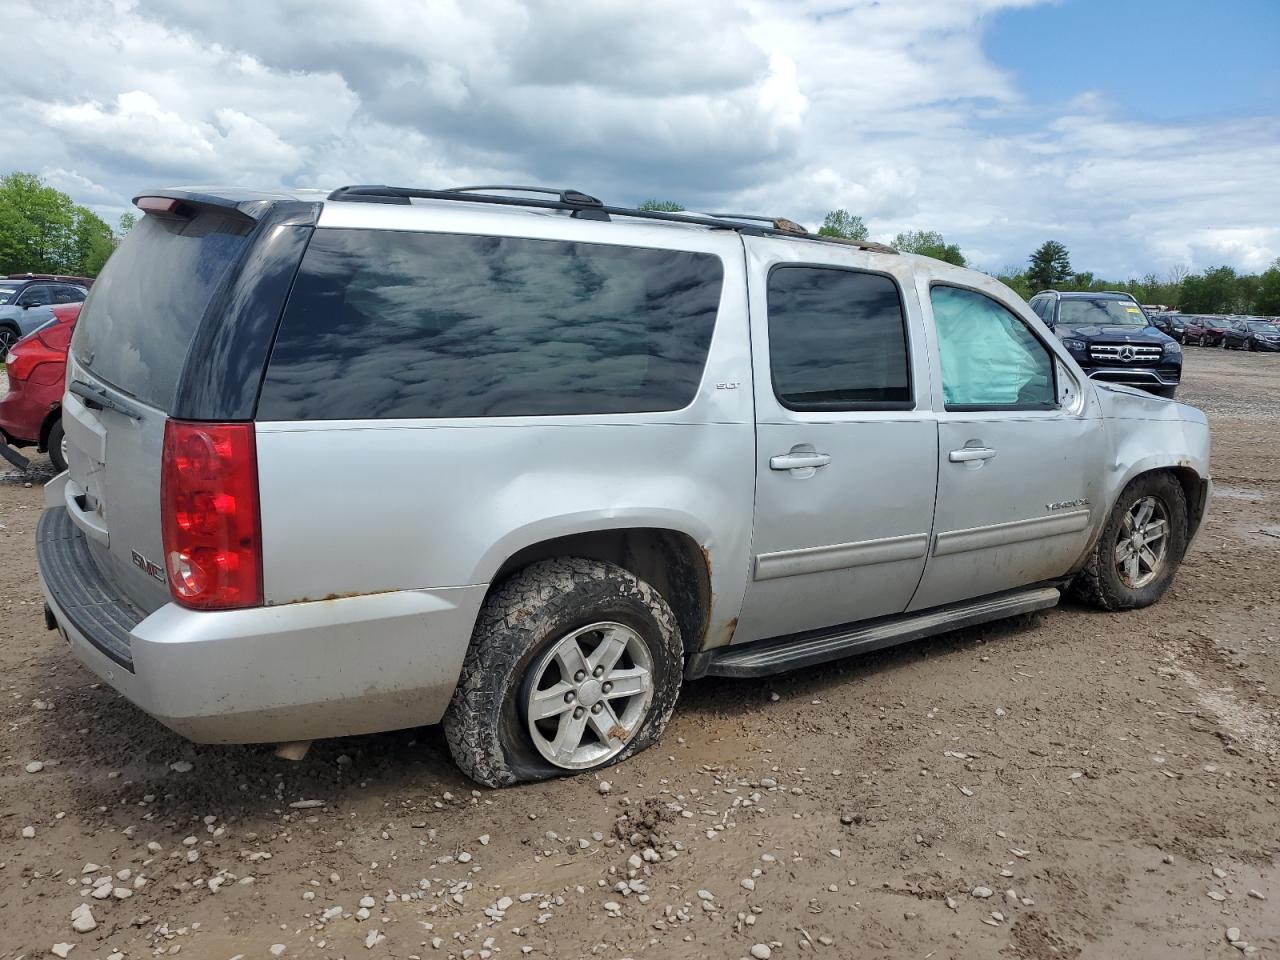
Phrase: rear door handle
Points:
(966, 454)
(799, 461)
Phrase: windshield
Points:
(1111, 313)
(7, 290)
(1262, 326)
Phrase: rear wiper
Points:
(96, 399)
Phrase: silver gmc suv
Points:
(523, 462)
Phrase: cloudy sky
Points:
(1145, 135)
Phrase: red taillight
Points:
(209, 509)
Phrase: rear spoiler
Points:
(183, 203)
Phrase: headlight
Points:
(1172, 347)
(1075, 346)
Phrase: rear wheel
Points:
(8, 337)
(1137, 556)
(1203, 340)
(574, 665)
(57, 446)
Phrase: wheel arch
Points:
(672, 561)
(1195, 486)
(52, 417)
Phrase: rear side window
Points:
(37, 295)
(141, 315)
(837, 340)
(990, 359)
(384, 324)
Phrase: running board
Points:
(765, 657)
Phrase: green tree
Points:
(1213, 291)
(1267, 300)
(842, 223)
(127, 222)
(43, 231)
(1016, 280)
(92, 242)
(664, 206)
(929, 243)
(36, 225)
(1050, 266)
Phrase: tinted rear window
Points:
(140, 317)
(386, 324)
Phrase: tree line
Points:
(1215, 290)
(42, 230)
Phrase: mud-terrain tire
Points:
(1101, 583)
(522, 624)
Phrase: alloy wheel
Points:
(1142, 543)
(589, 694)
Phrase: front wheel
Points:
(574, 665)
(8, 337)
(1137, 556)
(1203, 341)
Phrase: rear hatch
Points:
(131, 342)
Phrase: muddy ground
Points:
(1111, 780)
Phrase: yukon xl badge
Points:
(1067, 504)
(147, 567)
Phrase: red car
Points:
(1207, 331)
(31, 412)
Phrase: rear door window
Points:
(837, 340)
(139, 321)
(37, 295)
(390, 324)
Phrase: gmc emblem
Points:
(147, 567)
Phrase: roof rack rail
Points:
(586, 207)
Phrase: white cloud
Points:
(789, 107)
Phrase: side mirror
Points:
(26, 304)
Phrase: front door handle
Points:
(799, 461)
(967, 454)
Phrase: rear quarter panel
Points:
(365, 506)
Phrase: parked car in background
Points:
(1204, 330)
(26, 299)
(631, 448)
(1252, 333)
(1169, 323)
(31, 412)
(1112, 339)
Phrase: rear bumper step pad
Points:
(79, 590)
